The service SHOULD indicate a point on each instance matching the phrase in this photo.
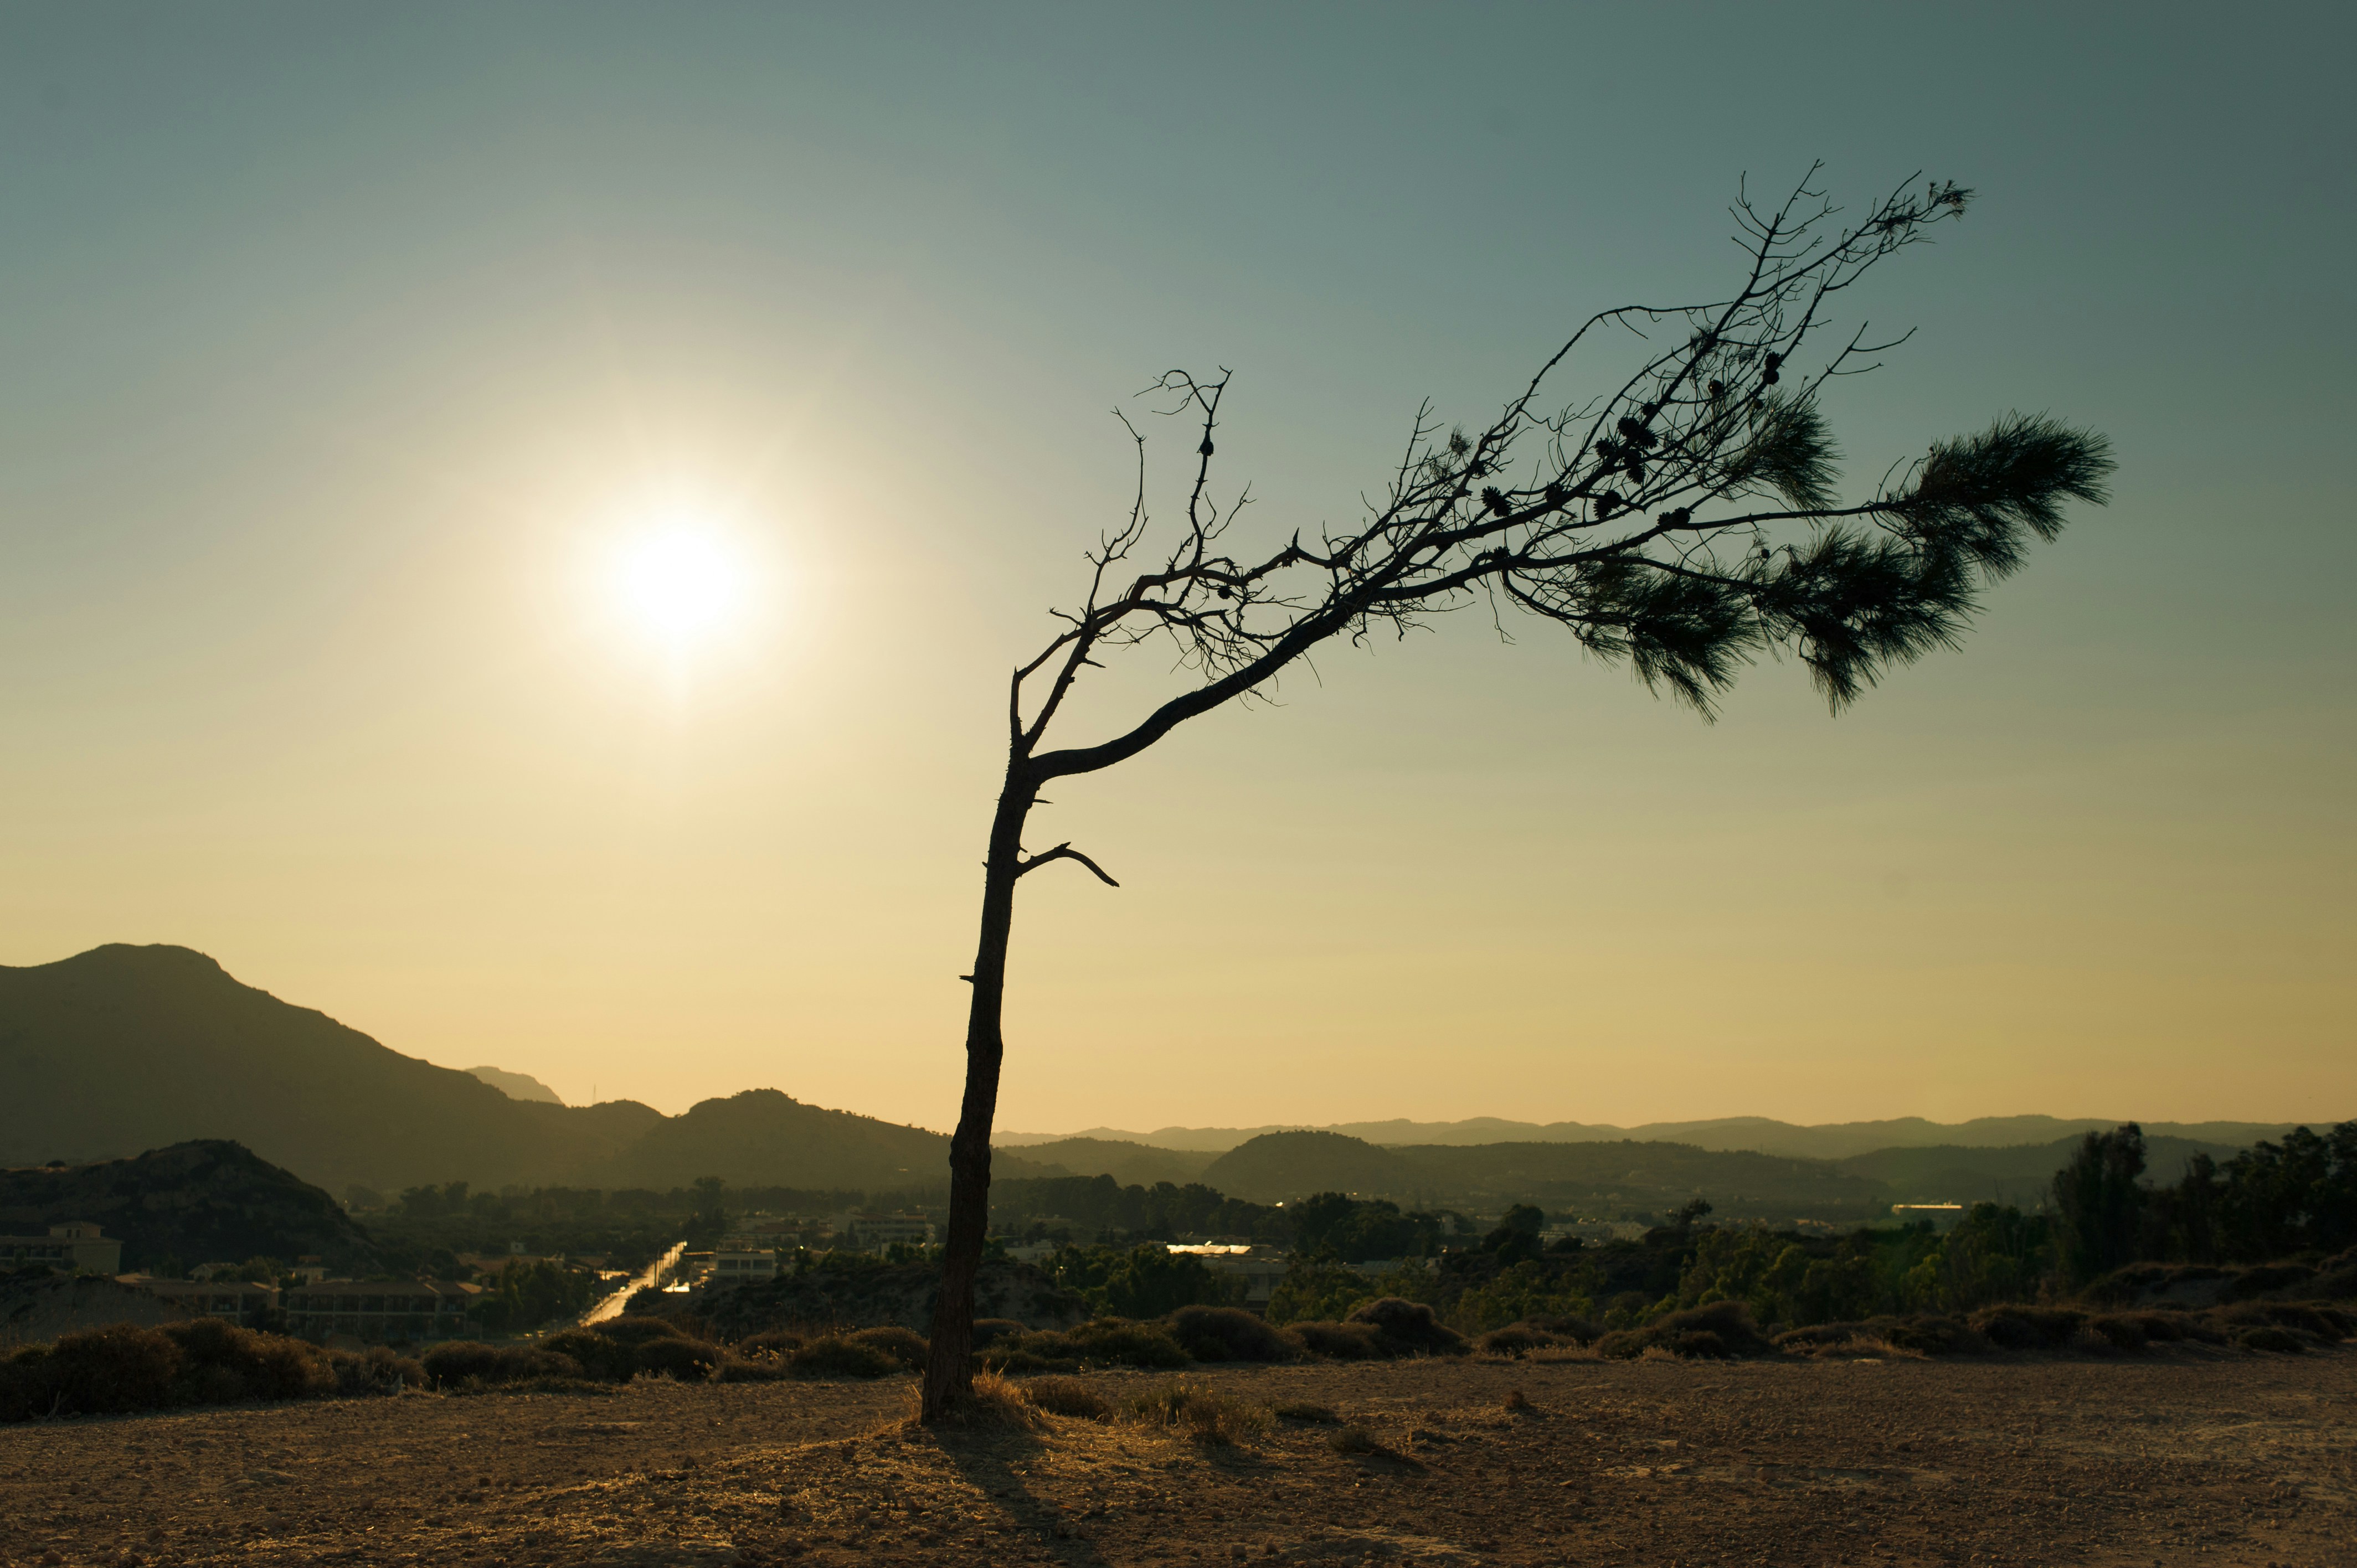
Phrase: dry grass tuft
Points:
(1517, 1403)
(995, 1404)
(1065, 1396)
(1199, 1414)
(1355, 1439)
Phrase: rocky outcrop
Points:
(205, 1201)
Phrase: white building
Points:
(738, 1260)
(77, 1247)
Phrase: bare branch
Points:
(1062, 851)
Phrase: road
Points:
(653, 1274)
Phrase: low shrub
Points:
(1517, 1339)
(2029, 1327)
(778, 1342)
(637, 1331)
(1343, 1341)
(683, 1360)
(903, 1344)
(1231, 1334)
(1100, 1342)
(99, 1371)
(2269, 1338)
(1721, 1329)
(1517, 1403)
(1578, 1330)
(1410, 1326)
(989, 1331)
(122, 1367)
(1067, 1396)
(1354, 1439)
(375, 1370)
(2121, 1331)
(263, 1366)
(461, 1363)
(600, 1355)
(1199, 1414)
(735, 1368)
(835, 1356)
(2265, 1279)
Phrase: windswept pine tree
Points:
(1684, 518)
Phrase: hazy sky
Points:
(342, 347)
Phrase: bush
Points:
(989, 1331)
(1199, 1414)
(1721, 1329)
(1517, 1339)
(1229, 1334)
(2271, 1338)
(2029, 1327)
(834, 1355)
(1066, 1396)
(1032, 1353)
(1344, 1341)
(903, 1344)
(375, 1370)
(636, 1331)
(1410, 1326)
(1933, 1334)
(1355, 1439)
(1578, 1330)
(601, 1356)
(122, 1368)
(259, 1365)
(735, 1368)
(98, 1372)
(683, 1360)
(777, 1342)
(1315, 1414)
(463, 1363)
(1118, 1342)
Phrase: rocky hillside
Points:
(124, 1048)
(205, 1201)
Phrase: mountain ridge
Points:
(1754, 1135)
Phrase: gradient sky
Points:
(342, 343)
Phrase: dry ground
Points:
(2210, 1458)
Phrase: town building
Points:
(741, 1259)
(874, 1232)
(237, 1301)
(1260, 1268)
(77, 1247)
(380, 1310)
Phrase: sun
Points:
(679, 582)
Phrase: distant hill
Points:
(1132, 1164)
(205, 1201)
(516, 1085)
(764, 1138)
(1277, 1167)
(1830, 1141)
(1947, 1174)
(124, 1048)
(1601, 1179)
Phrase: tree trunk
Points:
(949, 1364)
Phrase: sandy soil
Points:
(2191, 1459)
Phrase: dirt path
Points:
(2213, 1459)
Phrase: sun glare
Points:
(680, 583)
